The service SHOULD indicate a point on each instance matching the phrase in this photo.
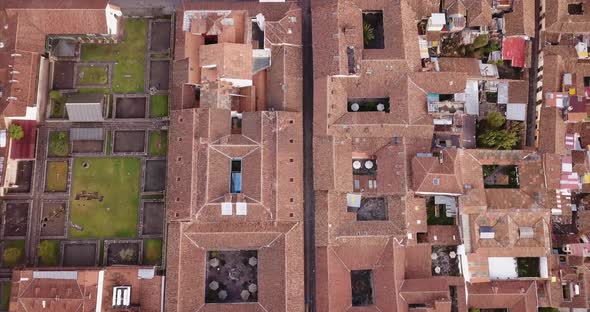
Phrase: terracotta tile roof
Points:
(552, 131)
(440, 82)
(280, 272)
(76, 290)
(562, 22)
(437, 175)
(518, 91)
(461, 65)
(507, 242)
(521, 21)
(518, 296)
(32, 22)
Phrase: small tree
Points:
(495, 120)
(12, 256)
(16, 132)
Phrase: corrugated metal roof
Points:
(64, 275)
(84, 112)
(86, 134)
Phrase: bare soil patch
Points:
(16, 219)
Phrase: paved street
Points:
(309, 204)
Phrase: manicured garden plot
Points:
(159, 106)
(59, 142)
(152, 252)
(105, 197)
(54, 219)
(123, 253)
(155, 175)
(13, 253)
(160, 36)
(63, 75)
(93, 75)
(56, 179)
(130, 107)
(79, 255)
(158, 143)
(129, 141)
(94, 90)
(16, 219)
(24, 175)
(129, 55)
(87, 146)
(48, 253)
(58, 104)
(159, 74)
(153, 218)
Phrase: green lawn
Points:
(5, 288)
(94, 90)
(14, 253)
(48, 253)
(116, 182)
(129, 55)
(58, 104)
(59, 142)
(93, 75)
(158, 106)
(152, 251)
(158, 143)
(57, 176)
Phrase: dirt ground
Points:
(134, 107)
(155, 175)
(53, 219)
(79, 255)
(129, 141)
(87, 146)
(16, 219)
(23, 177)
(123, 253)
(159, 74)
(153, 216)
(63, 77)
(160, 40)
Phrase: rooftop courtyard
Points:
(232, 276)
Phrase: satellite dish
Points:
(380, 107)
(356, 164)
(355, 107)
(368, 164)
(437, 270)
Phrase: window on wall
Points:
(575, 8)
(236, 176)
